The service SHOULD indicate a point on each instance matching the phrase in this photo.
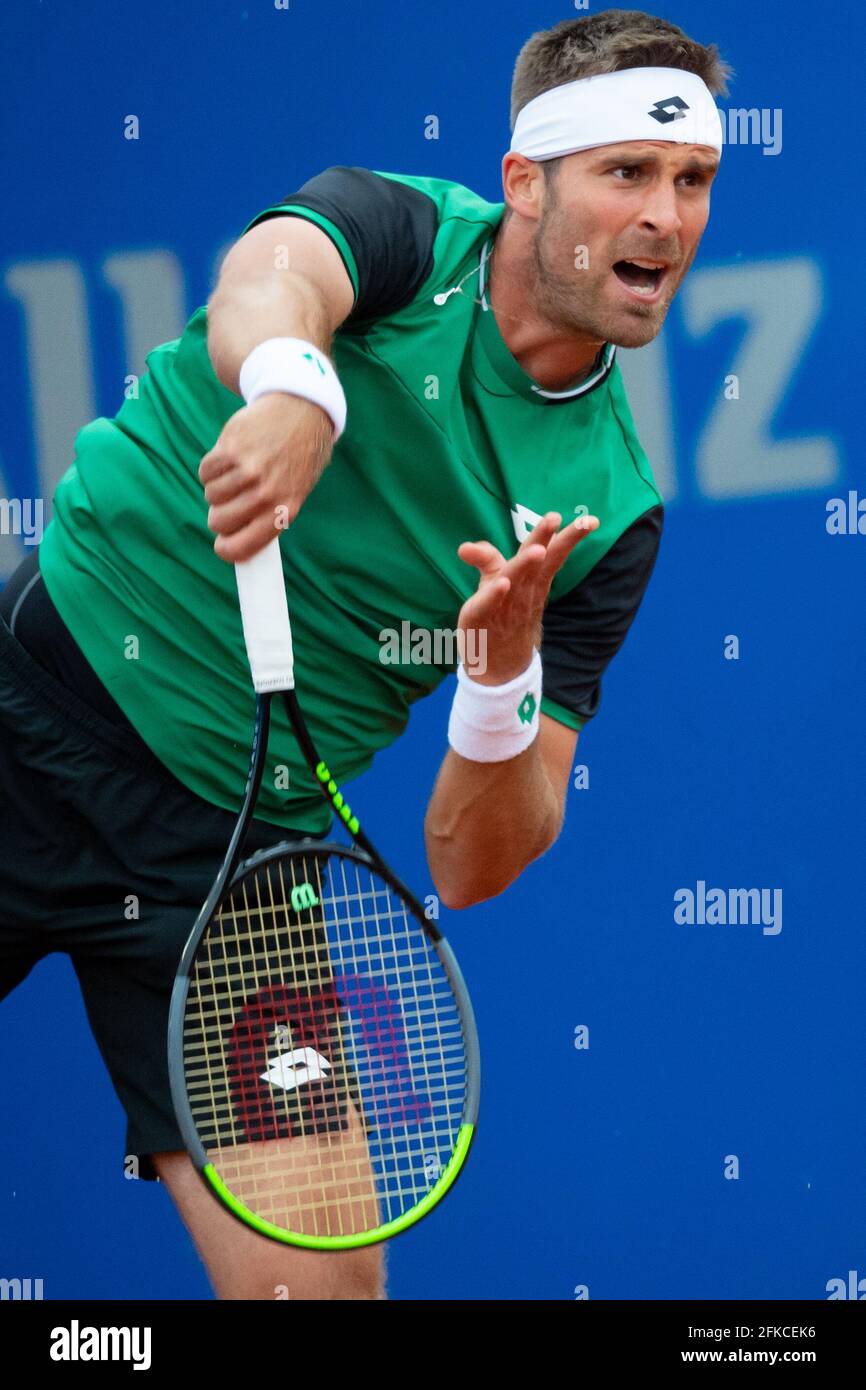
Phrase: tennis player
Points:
(421, 387)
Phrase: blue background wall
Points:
(705, 1041)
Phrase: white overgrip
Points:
(265, 615)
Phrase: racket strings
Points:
(323, 1047)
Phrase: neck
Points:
(554, 356)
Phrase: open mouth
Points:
(643, 278)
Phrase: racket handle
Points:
(265, 615)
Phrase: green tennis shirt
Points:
(447, 440)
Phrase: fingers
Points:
(565, 541)
(232, 516)
(215, 463)
(542, 552)
(484, 556)
(491, 562)
(246, 542)
(558, 544)
(543, 530)
(481, 608)
(262, 467)
(227, 485)
(528, 565)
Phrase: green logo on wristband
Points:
(526, 708)
(308, 357)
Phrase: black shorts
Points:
(103, 854)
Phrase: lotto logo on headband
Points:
(659, 112)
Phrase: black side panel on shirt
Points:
(390, 228)
(36, 623)
(585, 628)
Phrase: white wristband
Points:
(298, 368)
(491, 723)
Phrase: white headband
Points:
(635, 104)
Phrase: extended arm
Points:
(491, 816)
(486, 822)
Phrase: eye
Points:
(697, 179)
(627, 169)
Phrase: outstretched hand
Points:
(508, 604)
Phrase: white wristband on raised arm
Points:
(298, 368)
(491, 723)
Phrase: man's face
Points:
(640, 201)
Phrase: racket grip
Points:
(265, 616)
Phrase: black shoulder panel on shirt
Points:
(585, 628)
(390, 227)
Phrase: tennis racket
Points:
(322, 1047)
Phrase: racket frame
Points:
(232, 871)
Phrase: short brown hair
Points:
(609, 42)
